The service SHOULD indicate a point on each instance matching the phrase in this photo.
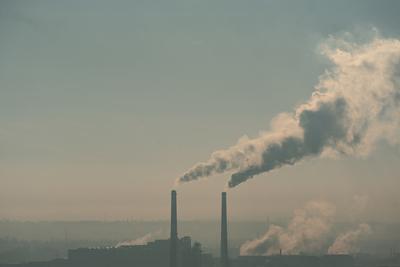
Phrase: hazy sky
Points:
(104, 104)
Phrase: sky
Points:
(103, 104)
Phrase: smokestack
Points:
(173, 240)
(224, 232)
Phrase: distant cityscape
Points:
(178, 251)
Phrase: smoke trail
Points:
(355, 103)
(307, 232)
(143, 240)
(348, 242)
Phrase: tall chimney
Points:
(224, 232)
(173, 240)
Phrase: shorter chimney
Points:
(224, 232)
(173, 240)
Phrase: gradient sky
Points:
(104, 103)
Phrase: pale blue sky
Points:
(104, 103)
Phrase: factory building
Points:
(153, 254)
(172, 252)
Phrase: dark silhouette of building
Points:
(224, 232)
(153, 254)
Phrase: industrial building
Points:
(153, 254)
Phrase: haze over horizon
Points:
(104, 105)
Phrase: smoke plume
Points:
(347, 243)
(355, 103)
(310, 231)
(307, 232)
(143, 240)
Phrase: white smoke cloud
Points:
(348, 243)
(355, 103)
(143, 240)
(307, 232)
(310, 231)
